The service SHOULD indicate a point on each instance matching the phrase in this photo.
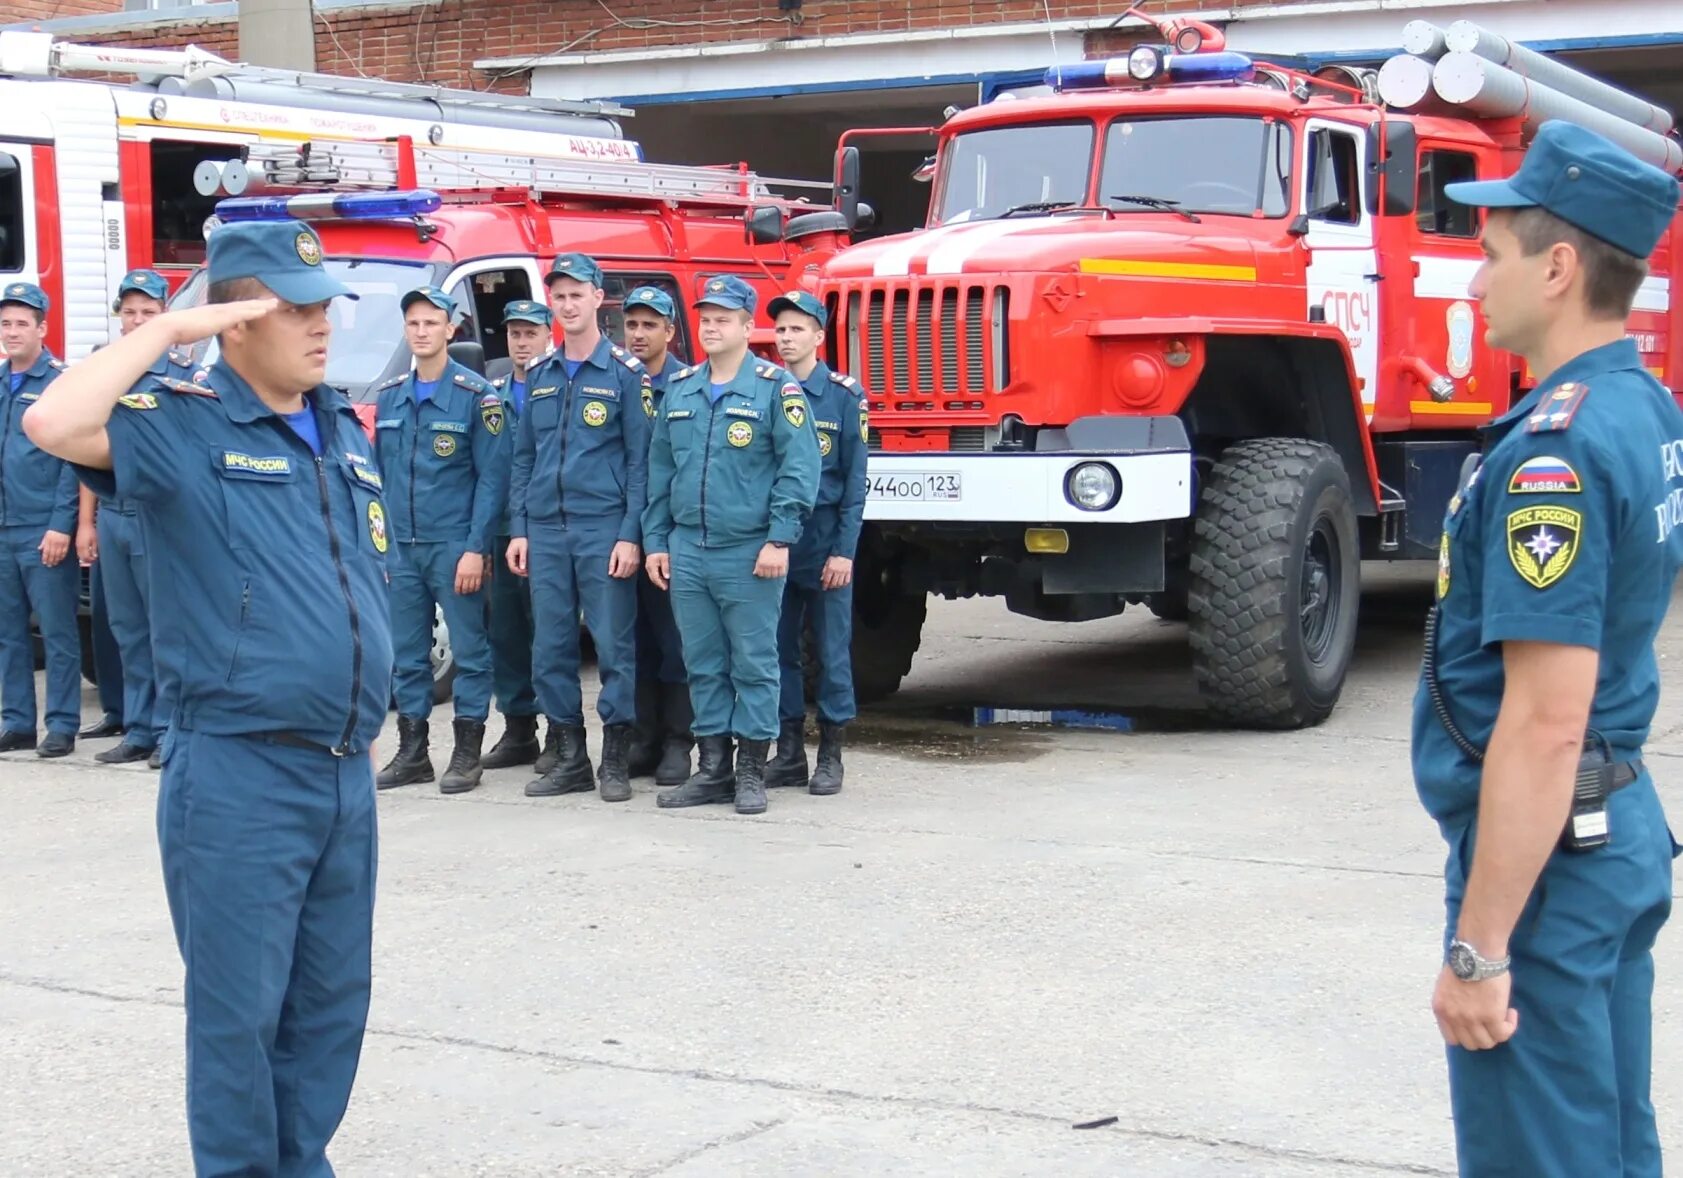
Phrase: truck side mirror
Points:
(1396, 159)
(847, 185)
(765, 225)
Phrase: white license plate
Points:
(917, 486)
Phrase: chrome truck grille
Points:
(923, 346)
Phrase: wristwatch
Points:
(778, 543)
(1466, 963)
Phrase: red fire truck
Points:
(407, 186)
(1194, 332)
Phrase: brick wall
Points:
(14, 11)
(439, 42)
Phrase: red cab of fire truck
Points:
(1195, 332)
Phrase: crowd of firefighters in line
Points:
(698, 519)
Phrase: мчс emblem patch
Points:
(795, 410)
(1543, 543)
(595, 413)
(444, 445)
(492, 416)
(1443, 567)
(740, 433)
(377, 525)
(309, 252)
(824, 445)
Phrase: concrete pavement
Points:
(1225, 940)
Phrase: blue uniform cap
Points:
(432, 295)
(799, 300)
(147, 282)
(1588, 181)
(284, 256)
(730, 292)
(26, 294)
(654, 299)
(579, 266)
(526, 311)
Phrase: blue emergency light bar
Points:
(1151, 63)
(329, 206)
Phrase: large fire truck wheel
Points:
(887, 630)
(1275, 579)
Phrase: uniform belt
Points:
(292, 740)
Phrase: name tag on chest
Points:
(447, 427)
(253, 466)
(743, 411)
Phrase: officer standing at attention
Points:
(118, 555)
(528, 326)
(580, 482)
(663, 741)
(260, 498)
(821, 563)
(733, 472)
(1539, 685)
(439, 438)
(37, 519)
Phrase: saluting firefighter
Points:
(439, 435)
(1538, 691)
(261, 506)
(528, 326)
(109, 536)
(664, 739)
(820, 583)
(733, 472)
(580, 482)
(38, 501)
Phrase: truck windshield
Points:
(988, 173)
(1197, 164)
(367, 341)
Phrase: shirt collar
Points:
(817, 378)
(1620, 354)
(244, 406)
(43, 364)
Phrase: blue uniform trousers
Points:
(1567, 1096)
(568, 569)
(269, 862)
(511, 638)
(25, 585)
(423, 578)
(728, 617)
(124, 589)
(660, 651)
(831, 612)
(107, 654)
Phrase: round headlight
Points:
(1093, 486)
(1143, 63)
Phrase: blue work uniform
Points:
(445, 463)
(276, 653)
(729, 474)
(121, 596)
(580, 483)
(660, 648)
(38, 494)
(1567, 533)
(511, 596)
(841, 421)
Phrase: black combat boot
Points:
(614, 781)
(551, 755)
(828, 779)
(572, 772)
(714, 783)
(676, 717)
(518, 744)
(465, 769)
(751, 776)
(645, 741)
(411, 765)
(789, 766)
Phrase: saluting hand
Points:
(470, 573)
(624, 560)
(1474, 1015)
(196, 323)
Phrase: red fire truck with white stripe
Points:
(1193, 331)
